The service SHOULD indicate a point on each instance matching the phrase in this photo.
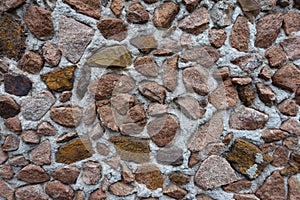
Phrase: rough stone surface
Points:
(190, 107)
(46, 129)
(241, 80)
(7, 5)
(39, 22)
(8, 107)
(149, 175)
(127, 174)
(6, 190)
(19, 161)
(245, 197)
(137, 13)
(170, 76)
(294, 186)
(145, 44)
(291, 125)
(88, 7)
(238, 185)
(59, 191)
(288, 107)
(291, 22)
(195, 80)
(268, 28)
(273, 188)
(266, 73)
(170, 156)
(73, 38)
(247, 159)
(243, 118)
(195, 23)
(153, 91)
(280, 157)
(41, 155)
(33, 174)
(265, 93)
(18, 85)
(97, 195)
(271, 135)
(217, 37)
(214, 172)
(174, 191)
(117, 7)
(275, 56)
(31, 62)
(112, 29)
(287, 77)
(37, 106)
(191, 4)
(165, 14)
(34, 192)
(246, 94)
(51, 54)
(239, 37)
(121, 189)
(91, 173)
(249, 62)
(69, 116)
(7, 172)
(146, 66)
(221, 13)
(13, 124)
(3, 156)
(291, 47)
(11, 143)
(66, 175)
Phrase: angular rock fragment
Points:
(41, 155)
(51, 54)
(7, 5)
(108, 117)
(167, 47)
(46, 129)
(91, 172)
(137, 13)
(121, 189)
(19, 161)
(247, 159)
(61, 79)
(165, 14)
(291, 125)
(68, 116)
(162, 130)
(33, 174)
(265, 93)
(171, 156)
(245, 197)
(6, 190)
(214, 172)
(191, 4)
(122, 102)
(287, 77)
(39, 22)
(59, 191)
(242, 80)
(275, 56)
(156, 109)
(170, 73)
(203, 197)
(84, 75)
(145, 44)
(35, 107)
(13, 124)
(31, 62)
(66, 175)
(291, 22)
(291, 143)
(221, 13)
(293, 186)
(131, 148)
(291, 47)
(127, 174)
(267, 30)
(146, 66)
(112, 29)
(34, 192)
(217, 37)
(288, 107)
(76, 150)
(280, 157)
(18, 85)
(238, 186)
(174, 191)
(150, 175)
(249, 62)
(73, 38)
(117, 7)
(240, 33)
(8, 107)
(98, 194)
(11, 143)
(179, 178)
(88, 7)
(266, 73)
(247, 94)
(195, 23)
(153, 91)
(271, 135)
(113, 56)
(195, 79)
(190, 107)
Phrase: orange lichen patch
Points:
(61, 79)
(131, 148)
(76, 150)
(12, 37)
(149, 175)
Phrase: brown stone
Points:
(6, 190)
(33, 192)
(294, 188)
(214, 148)
(110, 84)
(289, 170)
(114, 162)
(67, 175)
(267, 30)
(7, 5)
(89, 114)
(150, 1)
(108, 117)
(247, 158)
(8, 107)
(221, 13)
(287, 77)
(195, 23)
(31, 62)
(170, 156)
(291, 125)
(11, 143)
(245, 197)
(249, 62)
(13, 36)
(241, 80)
(170, 73)
(297, 96)
(206, 133)
(243, 118)
(167, 47)
(238, 186)
(19, 161)
(7, 172)
(179, 178)
(291, 22)
(131, 148)
(65, 96)
(190, 107)
(91, 172)
(214, 172)
(266, 73)
(79, 195)
(88, 7)
(271, 135)
(51, 54)
(291, 143)
(239, 37)
(59, 191)
(272, 188)
(145, 44)
(33, 174)
(186, 41)
(275, 56)
(174, 191)
(122, 102)
(46, 129)
(121, 189)
(221, 73)
(137, 13)
(61, 79)
(265, 93)
(288, 107)
(190, 5)
(98, 195)
(39, 22)
(18, 85)
(217, 37)
(247, 94)
(280, 157)
(268, 147)
(13, 124)
(194, 159)
(68, 116)
(291, 47)
(153, 91)
(225, 96)
(165, 14)
(203, 197)
(112, 29)
(102, 149)
(127, 175)
(76, 150)
(74, 37)
(146, 66)
(117, 7)
(205, 56)
(156, 109)
(150, 175)
(195, 79)
(162, 130)
(41, 155)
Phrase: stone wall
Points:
(115, 99)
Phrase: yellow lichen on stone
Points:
(179, 178)
(150, 175)
(61, 79)
(76, 150)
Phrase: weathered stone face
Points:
(149, 175)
